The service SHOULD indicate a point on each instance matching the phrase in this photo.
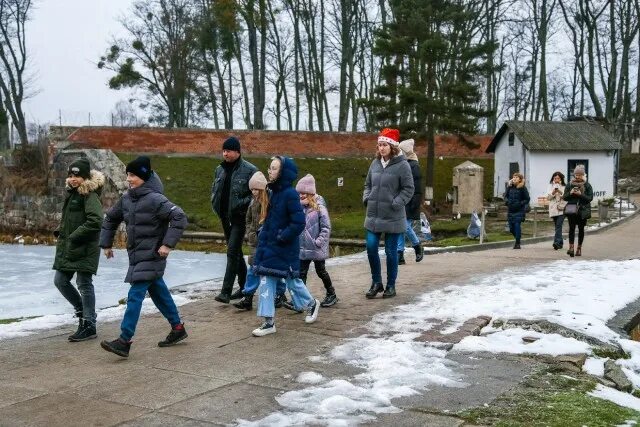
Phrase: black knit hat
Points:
(232, 143)
(140, 167)
(81, 168)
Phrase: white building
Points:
(538, 149)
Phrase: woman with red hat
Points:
(387, 189)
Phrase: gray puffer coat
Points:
(386, 193)
(314, 240)
(152, 221)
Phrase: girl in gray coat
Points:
(387, 189)
(314, 240)
(154, 227)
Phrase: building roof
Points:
(558, 136)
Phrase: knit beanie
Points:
(579, 169)
(140, 167)
(81, 168)
(232, 143)
(306, 184)
(407, 148)
(258, 181)
(390, 136)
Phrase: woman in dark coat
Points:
(412, 209)
(77, 250)
(516, 198)
(579, 193)
(278, 253)
(387, 190)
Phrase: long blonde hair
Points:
(263, 199)
(313, 202)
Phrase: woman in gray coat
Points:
(387, 189)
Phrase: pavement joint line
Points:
(233, 342)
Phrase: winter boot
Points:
(88, 332)
(401, 260)
(117, 346)
(579, 251)
(280, 299)
(329, 300)
(374, 290)
(80, 326)
(246, 303)
(570, 251)
(419, 252)
(389, 292)
(177, 334)
(222, 297)
(237, 294)
(516, 245)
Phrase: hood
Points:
(94, 183)
(521, 183)
(152, 185)
(288, 174)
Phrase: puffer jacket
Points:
(412, 209)
(152, 221)
(386, 193)
(240, 194)
(77, 246)
(252, 225)
(516, 198)
(583, 200)
(556, 202)
(314, 240)
(278, 252)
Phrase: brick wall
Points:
(259, 143)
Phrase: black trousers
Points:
(321, 271)
(234, 235)
(573, 221)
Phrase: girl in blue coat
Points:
(516, 198)
(278, 252)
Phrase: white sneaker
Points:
(312, 312)
(265, 329)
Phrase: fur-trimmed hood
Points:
(94, 183)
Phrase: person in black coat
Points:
(412, 209)
(516, 198)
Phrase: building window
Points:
(512, 139)
(513, 168)
(571, 165)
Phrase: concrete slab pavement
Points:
(221, 373)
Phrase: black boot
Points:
(516, 245)
(117, 346)
(73, 336)
(237, 294)
(88, 332)
(401, 260)
(246, 303)
(329, 300)
(222, 297)
(419, 252)
(280, 299)
(389, 292)
(177, 334)
(375, 289)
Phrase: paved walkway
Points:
(221, 372)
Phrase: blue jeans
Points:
(557, 221)
(253, 282)
(160, 296)
(515, 228)
(413, 237)
(390, 249)
(300, 296)
(82, 299)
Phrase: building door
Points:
(571, 165)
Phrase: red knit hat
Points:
(390, 136)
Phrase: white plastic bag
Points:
(425, 227)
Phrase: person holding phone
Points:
(555, 191)
(580, 193)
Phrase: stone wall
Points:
(21, 213)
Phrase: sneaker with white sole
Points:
(264, 329)
(312, 311)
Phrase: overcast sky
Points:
(65, 40)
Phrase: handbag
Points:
(571, 209)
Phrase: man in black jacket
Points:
(230, 198)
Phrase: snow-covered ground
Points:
(27, 289)
(581, 295)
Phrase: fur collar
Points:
(95, 181)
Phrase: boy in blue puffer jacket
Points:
(278, 252)
(154, 227)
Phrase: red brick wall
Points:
(259, 143)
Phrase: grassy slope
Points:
(187, 182)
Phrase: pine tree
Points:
(431, 73)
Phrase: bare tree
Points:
(124, 115)
(14, 83)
